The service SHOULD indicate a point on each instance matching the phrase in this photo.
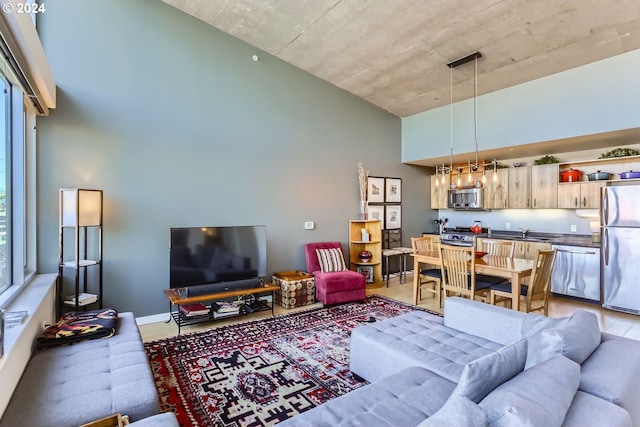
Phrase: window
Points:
(17, 173)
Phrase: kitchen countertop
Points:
(572, 239)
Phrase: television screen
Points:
(200, 255)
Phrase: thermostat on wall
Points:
(309, 225)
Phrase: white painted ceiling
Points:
(394, 53)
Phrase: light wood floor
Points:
(613, 322)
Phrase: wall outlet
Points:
(507, 226)
(309, 225)
(574, 228)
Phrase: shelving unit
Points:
(250, 297)
(373, 245)
(80, 249)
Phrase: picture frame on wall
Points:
(393, 217)
(393, 190)
(375, 189)
(376, 212)
(366, 271)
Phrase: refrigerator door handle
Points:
(605, 246)
(605, 207)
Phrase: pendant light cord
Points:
(475, 107)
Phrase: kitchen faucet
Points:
(525, 232)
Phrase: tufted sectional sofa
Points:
(74, 384)
(483, 365)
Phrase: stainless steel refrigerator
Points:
(620, 255)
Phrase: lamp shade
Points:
(80, 208)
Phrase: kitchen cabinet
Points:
(614, 166)
(527, 250)
(580, 195)
(439, 192)
(544, 186)
(519, 188)
(496, 192)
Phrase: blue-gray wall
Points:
(600, 97)
(179, 127)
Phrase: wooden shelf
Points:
(374, 245)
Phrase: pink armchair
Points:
(334, 287)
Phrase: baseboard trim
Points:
(154, 318)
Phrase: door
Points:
(576, 272)
(519, 187)
(620, 269)
(544, 186)
(621, 206)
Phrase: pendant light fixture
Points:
(443, 170)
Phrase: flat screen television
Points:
(207, 255)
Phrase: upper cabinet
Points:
(439, 192)
(544, 186)
(496, 190)
(585, 193)
(579, 195)
(519, 196)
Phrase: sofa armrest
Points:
(497, 324)
(167, 419)
(612, 372)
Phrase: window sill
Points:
(38, 299)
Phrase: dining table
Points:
(514, 269)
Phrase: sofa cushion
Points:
(403, 399)
(588, 410)
(537, 397)
(414, 339)
(489, 371)
(72, 385)
(167, 419)
(331, 260)
(576, 339)
(493, 323)
(458, 411)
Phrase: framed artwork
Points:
(366, 271)
(393, 217)
(375, 189)
(376, 212)
(393, 190)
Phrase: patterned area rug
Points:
(260, 372)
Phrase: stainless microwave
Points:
(465, 198)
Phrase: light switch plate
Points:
(309, 225)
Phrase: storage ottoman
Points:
(297, 288)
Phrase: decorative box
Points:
(297, 288)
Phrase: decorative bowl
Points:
(365, 256)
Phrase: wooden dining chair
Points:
(503, 248)
(538, 289)
(497, 247)
(431, 275)
(458, 265)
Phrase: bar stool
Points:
(403, 256)
(386, 254)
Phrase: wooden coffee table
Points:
(178, 297)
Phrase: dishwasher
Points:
(576, 272)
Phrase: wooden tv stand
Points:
(177, 298)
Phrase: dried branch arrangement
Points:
(363, 174)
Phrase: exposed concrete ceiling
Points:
(394, 53)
